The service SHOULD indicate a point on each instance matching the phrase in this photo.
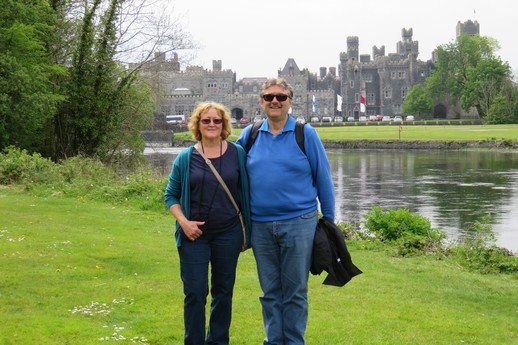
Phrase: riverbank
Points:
(420, 145)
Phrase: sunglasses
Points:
(270, 96)
(214, 121)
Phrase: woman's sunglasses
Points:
(270, 96)
(214, 121)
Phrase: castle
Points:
(383, 81)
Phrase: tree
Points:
(28, 96)
(418, 101)
(488, 75)
(503, 106)
(100, 90)
(464, 68)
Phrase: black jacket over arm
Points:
(330, 254)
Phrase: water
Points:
(453, 189)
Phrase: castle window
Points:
(396, 108)
(393, 75)
(351, 84)
(387, 92)
(371, 99)
(404, 92)
(212, 85)
(401, 74)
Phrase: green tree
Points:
(418, 101)
(107, 104)
(503, 107)
(464, 69)
(483, 83)
(28, 97)
(98, 90)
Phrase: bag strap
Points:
(220, 179)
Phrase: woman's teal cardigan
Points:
(178, 188)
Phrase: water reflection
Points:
(451, 188)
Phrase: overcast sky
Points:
(255, 38)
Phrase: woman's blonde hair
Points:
(194, 122)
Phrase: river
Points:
(451, 188)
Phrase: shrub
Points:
(19, 167)
(393, 224)
(411, 232)
(479, 252)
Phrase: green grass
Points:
(424, 133)
(59, 255)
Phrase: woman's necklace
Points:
(203, 179)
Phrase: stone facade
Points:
(383, 80)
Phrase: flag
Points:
(362, 104)
(314, 104)
(338, 102)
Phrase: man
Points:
(286, 185)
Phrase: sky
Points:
(256, 38)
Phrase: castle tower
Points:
(353, 47)
(469, 27)
(216, 65)
(407, 46)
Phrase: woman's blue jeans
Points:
(283, 251)
(221, 250)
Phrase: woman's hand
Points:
(191, 229)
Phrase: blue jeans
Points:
(283, 251)
(221, 250)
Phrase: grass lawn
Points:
(82, 272)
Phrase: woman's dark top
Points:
(209, 201)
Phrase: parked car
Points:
(350, 119)
(386, 118)
(314, 119)
(339, 119)
(410, 118)
(233, 120)
(257, 118)
(174, 119)
(326, 119)
(301, 119)
(398, 118)
(363, 118)
(373, 118)
(244, 120)
(379, 117)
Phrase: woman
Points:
(208, 228)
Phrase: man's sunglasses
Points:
(214, 121)
(270, 96)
